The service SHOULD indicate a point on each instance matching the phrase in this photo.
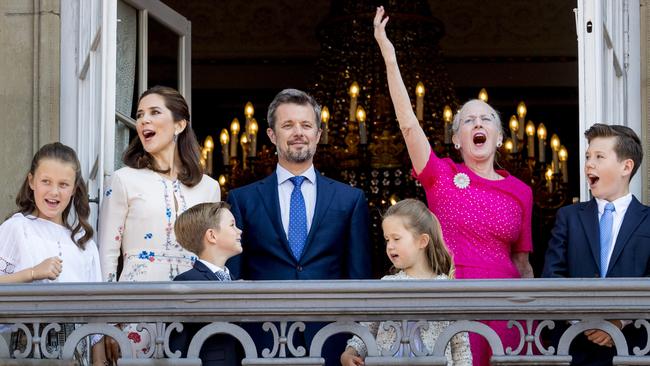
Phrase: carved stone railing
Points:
(161, 306)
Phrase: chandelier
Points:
(361, 143)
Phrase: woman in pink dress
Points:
(485, 213)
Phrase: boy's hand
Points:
(600, 337)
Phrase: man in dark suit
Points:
(298, 224)
(208, 230)
(609, 236)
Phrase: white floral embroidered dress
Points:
(138, 214)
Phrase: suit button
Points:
(299, 268)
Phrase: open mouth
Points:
(148, 134)
(479, 138)
(593, 179)
(51, 202)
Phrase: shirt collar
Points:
(620, 204)
(284, 175)
(214, 267)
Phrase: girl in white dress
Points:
(162, 178)
(415, 246)
(39, 239)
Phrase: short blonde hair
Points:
(191, 225)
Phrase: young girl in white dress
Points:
(40, 242)
(415, 246)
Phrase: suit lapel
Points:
(324, 197)
(268, 190)
(199, 266)
(634, 215)
(589, 218)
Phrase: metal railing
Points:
(531, 306)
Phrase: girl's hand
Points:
(350, 358)
(379, 24)
(50, 269)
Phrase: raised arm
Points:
(416, 141)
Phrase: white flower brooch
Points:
(461, 180)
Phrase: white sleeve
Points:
(112, 217)
(12, 240)
(94, 270)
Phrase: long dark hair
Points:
(25, 198)
(191, 172)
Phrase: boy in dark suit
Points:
(209, 231)
(609, 236)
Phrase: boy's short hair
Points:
(191, 225)
(628, 144)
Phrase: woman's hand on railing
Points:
(351, 358)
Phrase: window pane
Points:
(163, 55)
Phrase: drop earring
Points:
(175, 138)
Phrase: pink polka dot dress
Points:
(483, 222)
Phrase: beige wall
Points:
(29, 96)
(645, 96)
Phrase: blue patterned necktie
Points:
(222, 275)
(297, 234)
(606, 221)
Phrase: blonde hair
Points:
(191, 225)
(419, 220)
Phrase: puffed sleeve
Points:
(12, 239)
(113, 214)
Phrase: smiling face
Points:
(478, 132)
(53, 184)
(228, 237)
(156, 126)
(295, 133)
(608, 177)
(404, 249)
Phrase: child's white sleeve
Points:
(356, 342)
(12, 238)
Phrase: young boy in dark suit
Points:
(209, 231)
(608, 236)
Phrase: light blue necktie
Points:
(223, 275)
(297, 234)
(606, 221)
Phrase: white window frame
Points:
(609, 72)
(88, 79)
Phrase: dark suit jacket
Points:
(574, 251)
(218, 350)
(337, 247)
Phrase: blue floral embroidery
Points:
(144, 255)
(108, 192)
(148, 236)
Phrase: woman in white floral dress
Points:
(162, 178)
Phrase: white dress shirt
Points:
(213, 267)
(308, 189)
(620, 207)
